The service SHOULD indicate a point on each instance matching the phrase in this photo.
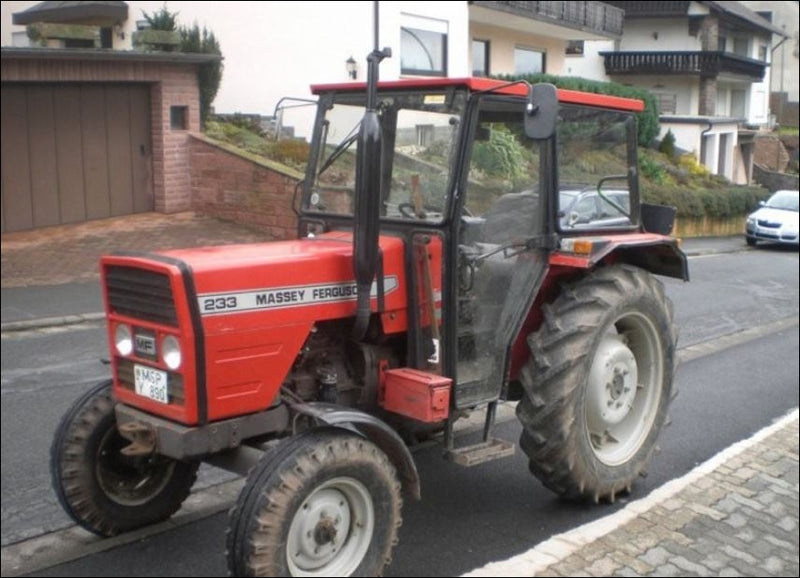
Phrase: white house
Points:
(707, 63)
(275, 49)
(785, 59)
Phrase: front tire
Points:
(324, 503)
(751, 241)
(102, 490)
(598, 384)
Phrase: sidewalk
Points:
(51, 275)
(734, 515)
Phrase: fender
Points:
(374, 430)
(657, 254)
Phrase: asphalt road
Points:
(467, 517)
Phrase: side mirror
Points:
(541, 112)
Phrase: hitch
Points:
(141, 436)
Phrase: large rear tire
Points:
(598, 384)
(102, 490)
(324, 503)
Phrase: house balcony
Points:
(707, 64)
(588, 20)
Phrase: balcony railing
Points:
(653, 8)
(596, 17)
(703, 63)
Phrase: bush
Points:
(720, 203)
(648, 119)
(293, 152)
(667, 145)
(500, 156)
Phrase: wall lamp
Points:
(352, 68)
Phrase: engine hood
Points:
(297, 276)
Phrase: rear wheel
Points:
(324, 503)
(598, 384)
(103, 490)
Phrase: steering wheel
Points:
(408, 211)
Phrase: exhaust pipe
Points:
(368, 192)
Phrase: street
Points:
(467, 517)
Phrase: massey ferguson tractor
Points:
(462, 243)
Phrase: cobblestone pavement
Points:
(70, 253)
(735, 515)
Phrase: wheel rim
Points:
(624, 389)
(129, 481)
(332, 530)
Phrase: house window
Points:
(741, 46)
(574, 47)
(667, 102)
(179, 117)
(722, 44)
(480, 58)
(425, 134)
(528, 61)
(762, 53)
(423, 52)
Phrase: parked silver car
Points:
(775, 221)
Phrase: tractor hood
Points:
(287, 281)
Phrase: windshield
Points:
(419, 137)
(786, 200)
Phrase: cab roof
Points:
(474, 84)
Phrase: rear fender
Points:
(657, 254)
(373, 429)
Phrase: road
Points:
(467, 517)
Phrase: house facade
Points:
(708, 64)
(784, 59)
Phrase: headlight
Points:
(123, 339)
(171, 352)
(751, 220)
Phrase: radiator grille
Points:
(141, 294)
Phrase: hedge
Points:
(722, 203)
(648, 119)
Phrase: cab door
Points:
(502, 258)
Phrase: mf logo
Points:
(145, 345)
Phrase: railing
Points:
(702, 63)
(589, 15)
(652, 8)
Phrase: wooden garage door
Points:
(74, 152)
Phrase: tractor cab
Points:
(482, 180)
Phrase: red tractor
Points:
(463, 243)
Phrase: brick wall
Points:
(774, 181)
(231, 185)
(172, 189)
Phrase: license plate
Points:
(151, 383)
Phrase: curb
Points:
(44, 322)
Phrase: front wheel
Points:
(103, 490)
(598, 384)
(324, 503)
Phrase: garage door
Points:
(74, 152)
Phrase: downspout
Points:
(703, 133)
